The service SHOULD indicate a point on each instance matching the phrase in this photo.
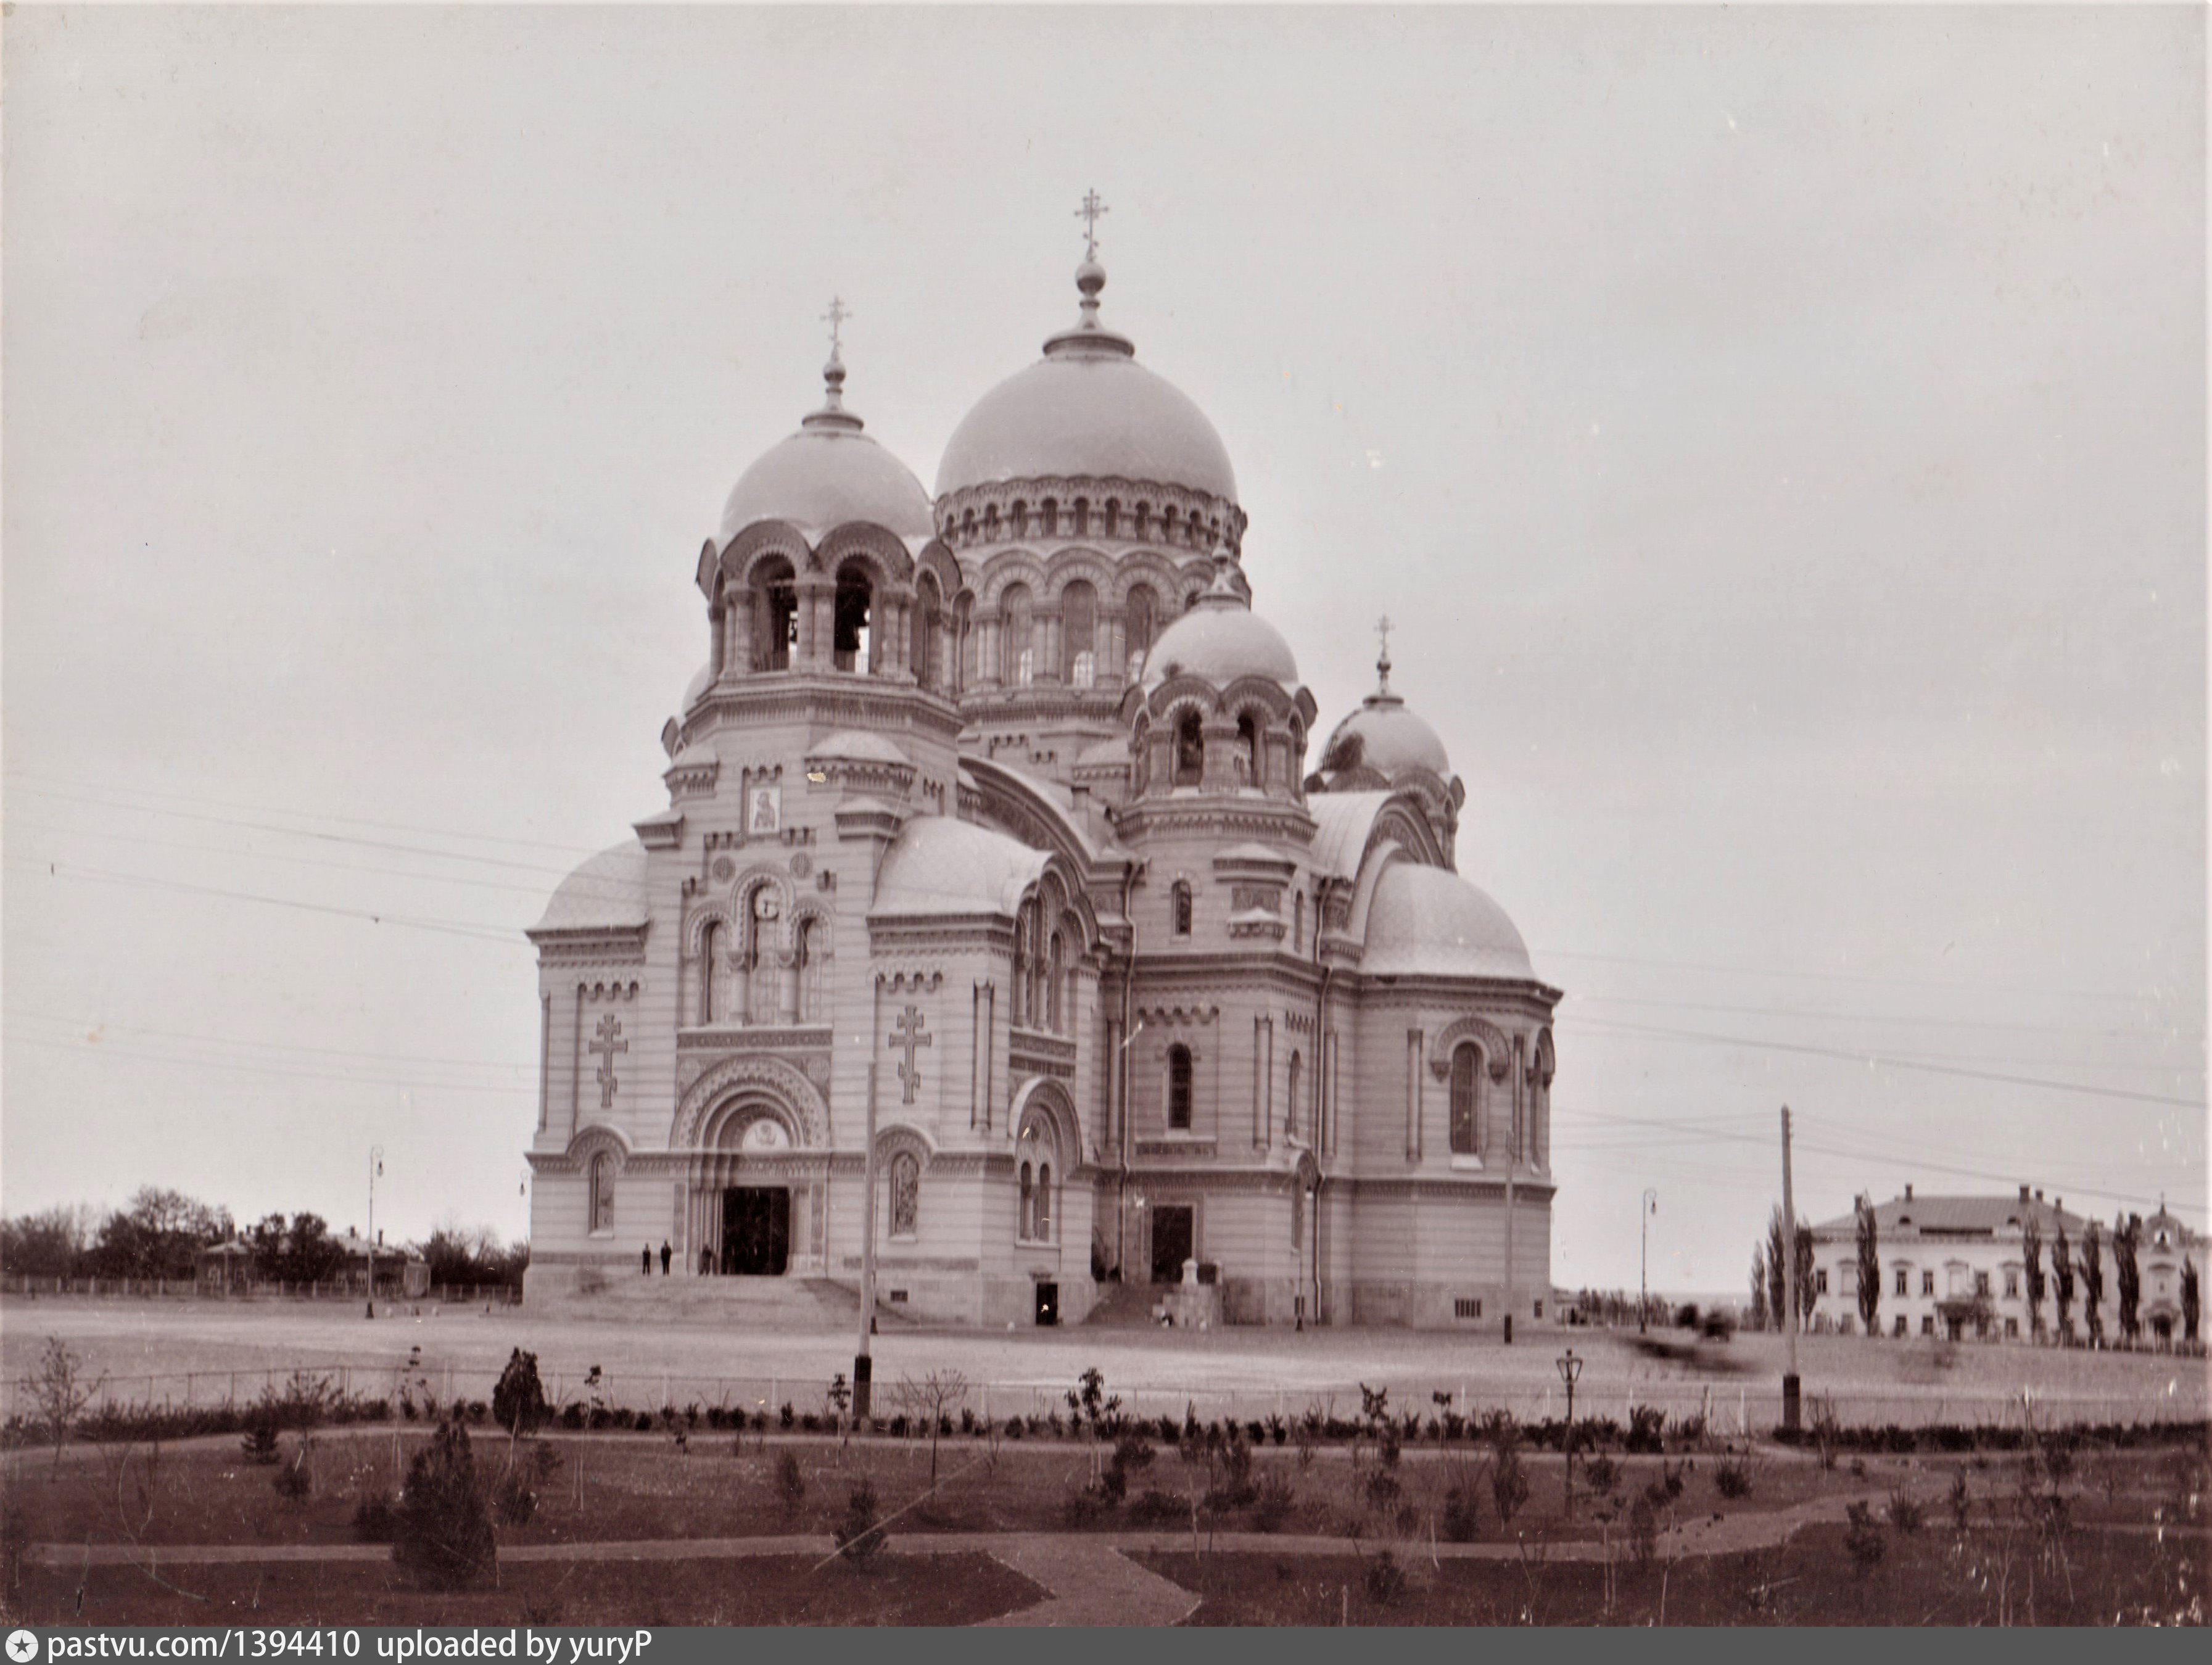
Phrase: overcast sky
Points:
(1778, 434)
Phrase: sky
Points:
(1777, 434)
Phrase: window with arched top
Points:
(1179, 1087)
(710, 946)
(1180, 900)
(961, 673)
(1026, 1204)
(810, 973)
(1050, 517)
(1055, 975)
(1189, 750)
(602, 1199)
(775, 614)
(1291, 1124)
(1079, 615)
(1016, 652)
(905, 1194)
(1139, 613)
(1248, 744)
(1041, 1227)
(923, 624)
(1466, 1099)
(1299, 923)
(853, 620)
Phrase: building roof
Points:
(1342, 822)
(1386, 736)
(1428, 921)
(1087, 409)
(605, 893)
(827, 475)
(857, 746)
(1220, 641)
(1963, 1215)
(941, 865)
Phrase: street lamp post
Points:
(1643, 1266)
(1569, 1368)
(375, 1167)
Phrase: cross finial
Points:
(835, 317)
(1093, 206)
(1383, 628)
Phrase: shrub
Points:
(642, 1421)
(374, 1519)
(1863, 1539)
(1603, 1474)
(1732, 1476)
(1157, 1508)
(1013, 1427)
(1904, 1513)
(1509, 1483)
(515, 1500)
(1646, 1423)
(1460, 1513)
(810, 1423)
(292, 1482)
(1271, 1501)
(1643, 1529)
(790, 1483)
(444, 1539)
(1080, 1510)
(1385, 1579)
(259, 1443)
(787, 1415)
(571, 1416)
(859, 1531)
(1959, 1501)
(1277, 1429)
(898, 1425)
(518, 1399)
(1689, 1430)
(1381, 1489)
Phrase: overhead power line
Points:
(1842, 976)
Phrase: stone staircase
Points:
(805, 1304)
(1121, 1307)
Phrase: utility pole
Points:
(1643, 1266)
(863, 1366)
(1509, 1247)
(1790, 1383)
(375, 1167)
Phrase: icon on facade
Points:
(765, 810)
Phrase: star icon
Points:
(22, 1647)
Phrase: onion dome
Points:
(1087, 409)
(1221, 638)
(940, 865)
(1428, 921)
(1377, 743)
(830, 474)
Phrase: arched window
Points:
(1179, 1087)
(963, 670)
(1299, 923)
(905, 1193)
(1033, 995)
(852, 647)
(1051, 510)
(602, 1193)
(1248, 741)
(1078, 613)
(1113, 517)
(1017, 1011)
(922, 633)
(1291, 1122)
(775, 615)
(760, 933)
(1297, 1215)
(1056, 974)
(1041, 1229)
(1083, 517)
(1190, 749)
(1021, 516)
(1180, 897)
(1466, 1099)
(1138, 613)
(710, 954)
(1024, 1219)
(810, 1009)
(1017, 657)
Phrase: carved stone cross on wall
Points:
(609, 1043)
(906, 1035)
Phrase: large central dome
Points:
(1087, 409)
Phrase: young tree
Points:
(1777, 1271)
(444, 1537)
(1759, 1287)
(2030, 1262)
(2092, 1284)
(2189, 1297)
(1807, 1283)
(2061, 1277)
(61, 1393)
(1870, 1268)
(2127, 1274)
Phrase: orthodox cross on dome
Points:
(1093, 206)
(906, 1035)
(1383, 628)
(835, 317)
(607, 1046)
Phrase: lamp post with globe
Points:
(1570, 1369)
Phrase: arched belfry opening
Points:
(853, 622)
(776, 637)
(1189, 750)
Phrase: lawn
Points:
(1934, 1577)
(892, 1589)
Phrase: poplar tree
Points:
(1870, 1268)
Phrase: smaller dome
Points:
(1430, 921)
(940, 865)
(607, 891)
(856, 745)
(1384, 735)
(827, 475)
(698, 685)
(1220, 639)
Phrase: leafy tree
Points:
(2061, 1277)
(518, 1399)
(1806, 1282)
(1759, 1287)
(2127, 1274)
(1777, 1271)
(2189, 1298)
(1870, 1268)
(159, 1234)
(2030, 1258)
(51, 1244)
(2092, 1284)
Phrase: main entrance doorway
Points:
(755, 1231)
(1172, 1237)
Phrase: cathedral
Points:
(991, 828)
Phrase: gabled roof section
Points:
(1994, 1216)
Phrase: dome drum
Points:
(1112, 509)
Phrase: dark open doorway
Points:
(756, 1231)
(1173, 1235)
(1048, 1304)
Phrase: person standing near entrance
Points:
(645, 1259)
(706, 1261)
(666, 1255)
